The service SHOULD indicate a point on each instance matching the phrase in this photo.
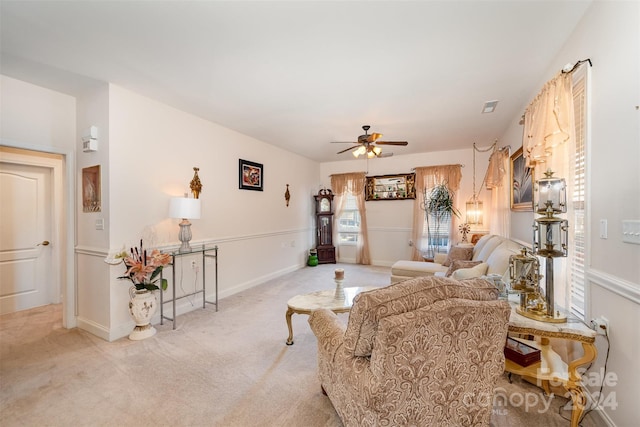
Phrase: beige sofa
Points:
(493, 251)
(425, 351)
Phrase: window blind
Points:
(577, 250)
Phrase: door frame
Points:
(63, 211)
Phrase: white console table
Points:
(207, 252)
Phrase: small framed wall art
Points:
(521, 184)
(91, 200)
(251, 175)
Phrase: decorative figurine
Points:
(196, 185)
(464, 229)
(287, 195)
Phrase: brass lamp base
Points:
(542, 316)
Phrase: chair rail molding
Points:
(623, 288)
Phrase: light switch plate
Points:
(100, 224)
(631, 231)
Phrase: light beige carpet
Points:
(225, 368)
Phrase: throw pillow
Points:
(471, 273)
(458, 264)
(458, 253)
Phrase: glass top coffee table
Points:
(305, 304)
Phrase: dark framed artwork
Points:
(521, 184)
(391, 187)
(251, 175)
(91, 198)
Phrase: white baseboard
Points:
(183, 306)
(257, 281)
(604, 418)
(380, 263)
(94, 328)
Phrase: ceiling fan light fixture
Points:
(368, 145)
(359, 151)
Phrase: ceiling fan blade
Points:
(404, 143)
(385, 155)
(373, 137)
(348, 149)
(344, 142)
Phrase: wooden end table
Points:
(551, 367)
(305, 304)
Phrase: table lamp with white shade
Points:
(185, 209)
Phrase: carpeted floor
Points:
(225, 368)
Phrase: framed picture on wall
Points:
(251, 175)
(521, 184)
(91, 200)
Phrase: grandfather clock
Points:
(324, 227)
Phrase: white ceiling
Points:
(299, 74)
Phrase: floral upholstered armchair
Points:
(423, 352)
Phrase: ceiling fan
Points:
(368, 145)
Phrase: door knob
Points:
(44, 243)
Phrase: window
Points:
(435, 234)
(349, 222)
(578, 199)
(436, 240)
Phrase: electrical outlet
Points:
(601, 325)
(194, 265)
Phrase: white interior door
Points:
(25, 234)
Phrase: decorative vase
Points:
(142, 308)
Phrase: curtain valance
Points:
(548, 120)
(352, 182)
(430, 176)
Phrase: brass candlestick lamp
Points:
(524, 275)
(550, 235)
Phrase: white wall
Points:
(92, 244)
(390, 221)
(609, 34)
(152, 151)
(40, 119)
(146, 152)
(36, 117)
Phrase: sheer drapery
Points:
(549, 145)
(498, 181)
(548, 120)
(426, 178)
(354, 184)
(497, 169)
